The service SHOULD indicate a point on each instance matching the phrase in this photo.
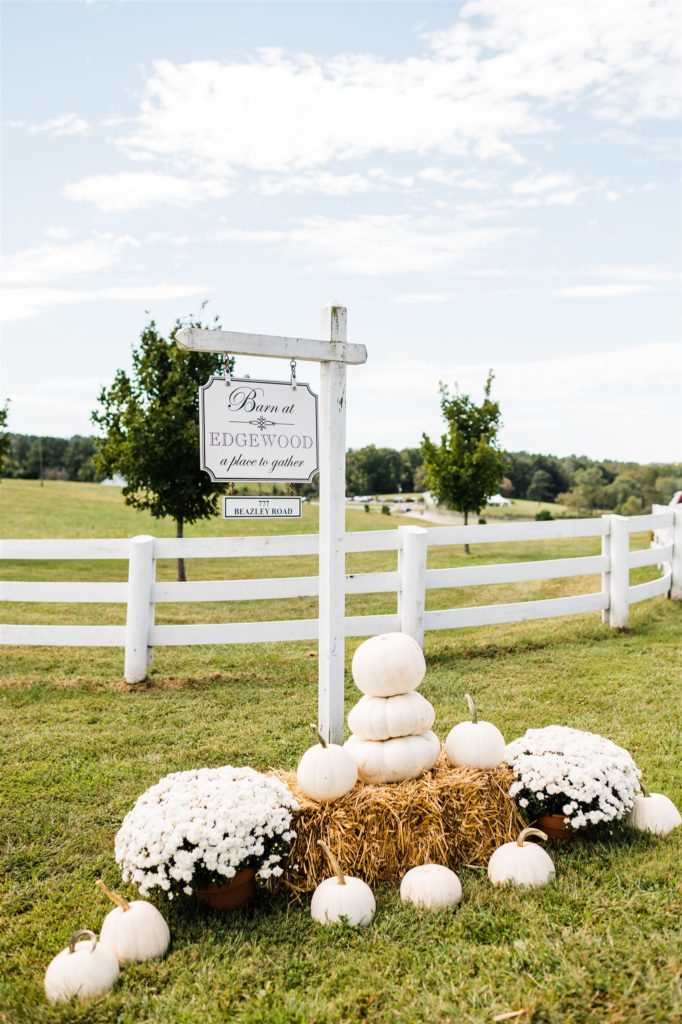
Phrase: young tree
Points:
(5, 438)
(150, 431)
(465, 469)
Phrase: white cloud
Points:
(376, 244)
(322, 181)
(615, 281)
(46, 262)
(60, 233)
(417, 298)
(274, 113)
(628, 272)
(561, 402)
(540, 184)
(134, 190)
(489, 272)
(501, 293)
(481, 88)
(456, 179)
(168, 238)
(376, 179)
(623, 54)
(29, 277)
(58, 394)
(602, 291)
(65, 124)
(22, 303)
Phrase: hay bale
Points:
(449, 816)
(478, 814)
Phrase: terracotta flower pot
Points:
(235, 893)
(554, 826)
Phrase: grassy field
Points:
(78, 747)
(520, 508)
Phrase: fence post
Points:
(619, 571)
(141, 574)
(676, 581)
(332, 572)
(606, 574)
(412, 569)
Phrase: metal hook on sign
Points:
(292, 364)
(226, 369)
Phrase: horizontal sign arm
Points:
(236, 344)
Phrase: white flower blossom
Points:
(208, 823)
(590, 779)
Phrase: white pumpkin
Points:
(431, 887)
(393, 760)
(475, 744)
(135, 931)
(386, 718)
(655, 813)
(524, 863)
(83, 969)
(342, 899)
(326, 771)
(388, 664)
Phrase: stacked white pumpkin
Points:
(391, 738)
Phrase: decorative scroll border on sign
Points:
(287, 474)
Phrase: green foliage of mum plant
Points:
(150, 430)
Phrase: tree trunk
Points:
(182, 578)
(466, 523)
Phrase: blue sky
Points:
(487, 184)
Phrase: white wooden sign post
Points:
(332, 352)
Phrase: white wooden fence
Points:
(410, 581)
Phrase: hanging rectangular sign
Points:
(254, 507)
(258, 430)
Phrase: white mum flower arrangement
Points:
(201, 827)
(580, 775)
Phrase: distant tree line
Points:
(30, 457)
(587, 484)
(373, 470)
(580, 483)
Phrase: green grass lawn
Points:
(78, 746)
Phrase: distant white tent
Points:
(114, 481)
(497, 499)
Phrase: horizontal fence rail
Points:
(410, 582)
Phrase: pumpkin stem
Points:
(645, 791)
(79, 935)
(333, 861)
(472, 708)
(115, 897)
(530, 832)
(318, 735)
